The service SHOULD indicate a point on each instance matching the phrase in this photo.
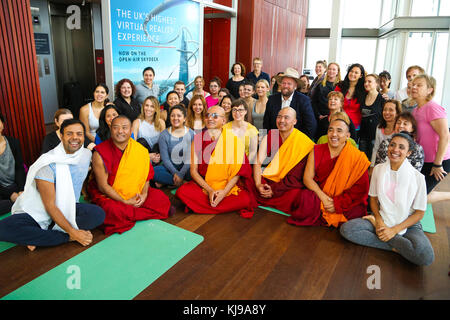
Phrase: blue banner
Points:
(162, 34)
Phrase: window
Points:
(438, 63)
(360, 51)
(418, 52)
(319, 14)
(361, 14)
(381, 55)
(316, 49)
(388, 12)
(430, 8)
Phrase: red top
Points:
(353, 109)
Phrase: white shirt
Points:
(286, 103)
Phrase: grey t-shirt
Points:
(7, 165)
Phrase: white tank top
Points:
(93, 121)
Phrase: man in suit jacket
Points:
(290, 97)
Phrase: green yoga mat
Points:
(5, 245)
(274, 210)
(427, 221)
(117, 268)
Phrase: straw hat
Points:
(291, 73)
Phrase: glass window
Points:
(381, 55)
(361, 14)
(438, 63)
(388, 11)
(319, 14)
(360, 51)
(418, 51)
(316, 49)
(444, 8)
(424, 8)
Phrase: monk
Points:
(219, 169)
(281, 182)
(336, 179)
(120, 184)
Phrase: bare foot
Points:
(31, 248)
(371, 218)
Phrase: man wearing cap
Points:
(290, 97)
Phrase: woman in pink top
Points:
(214, 88)
(432, 130)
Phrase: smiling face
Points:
(215, 117)
(100, 94)
(226, 104)
(403, 125)
(384, 83)
(198, 83)
(110, 114)
(286, 120)
(389, 112)
(261, 89)
(370, 83)
(126, 90)
(288, 86)
(398, 150)
(177, 119)
(148, 77)
(338, 134)
(354, 74)
(248, 91)
(197, 106)
(332, 72)
(320, 69)
(173, 99)
(237, 70)
(214, 88)
(72, 138)
(120, 130)
(180, 89)
(334, 104)
(238, 112)
(149, 109)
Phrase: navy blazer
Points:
(306, 121)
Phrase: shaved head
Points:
(288, 110)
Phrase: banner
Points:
(162, 34)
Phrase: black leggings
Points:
(431, 180)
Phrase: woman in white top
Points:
(90, 113)
(199, 83)
(148, 126)
(398, 199)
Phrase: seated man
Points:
(218, 161)
(120, 184)
(47, 212)
(281, 182)
(336, 179)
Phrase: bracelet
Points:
(437, 165)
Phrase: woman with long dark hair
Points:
(352, 87)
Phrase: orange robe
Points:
(121, 217)
(351, 202)
(197, 200)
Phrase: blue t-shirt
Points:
(78, 173)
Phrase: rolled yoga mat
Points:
(117, 268)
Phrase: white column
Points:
(233, 35)
(335, 31)
(107, 44)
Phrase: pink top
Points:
(210, 101)
(426, 136)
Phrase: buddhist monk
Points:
(279, 185)
(219, 169)
(120, 184)
(336, 180)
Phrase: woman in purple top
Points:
(432, 130)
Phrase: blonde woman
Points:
(148, 126)
(196, 113)
(259, 107)
(432, 130)
(199, 83)
(319, 98)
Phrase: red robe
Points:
(286, 191)
(121, 217)
(192, 195)
(352, 202)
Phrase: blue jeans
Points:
(413, 245)
(22, 229)
(163, 176)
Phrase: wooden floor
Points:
(265, 258)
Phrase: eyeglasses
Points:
(237, 110)
(213, 115)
